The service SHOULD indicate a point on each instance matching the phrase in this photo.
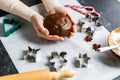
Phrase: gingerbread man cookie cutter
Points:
(57, 61)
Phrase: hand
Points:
(65, 12)
(37, 21)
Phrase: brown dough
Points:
(58, 24)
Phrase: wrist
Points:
(58, 9)
(36, 18)
(51, 4)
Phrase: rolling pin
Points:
(43, 74)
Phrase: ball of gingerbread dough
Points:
(58, 24)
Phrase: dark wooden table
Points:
(109, 10)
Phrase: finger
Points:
(61, 38)
(74, 28)
(71, 35)
(60, 10)
(50, 37)
(42, 29)
(39, 32)
(52, 11)
(70, 18)
(54, 37)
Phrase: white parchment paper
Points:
(102, 66)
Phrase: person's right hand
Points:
(37, 22)
(64, 11)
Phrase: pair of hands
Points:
(38, 20)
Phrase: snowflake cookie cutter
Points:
(82, 61)
(31, 54)
(57, 61)
(9, 30)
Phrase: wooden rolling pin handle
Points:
(43, 74)
(64, 74)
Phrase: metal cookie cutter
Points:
(31, 55)
(10, 25)
(57, 61)
(90, 33)
(80, 24)
(82, 61)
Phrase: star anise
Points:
(88, 38)
(96, 46)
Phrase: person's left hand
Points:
(37, 22)
(65, 12)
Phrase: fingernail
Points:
(61, 38)
(72, 34)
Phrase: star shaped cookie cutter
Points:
(31, 54)
(82, 61)
(57, 61)
(15, 25)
